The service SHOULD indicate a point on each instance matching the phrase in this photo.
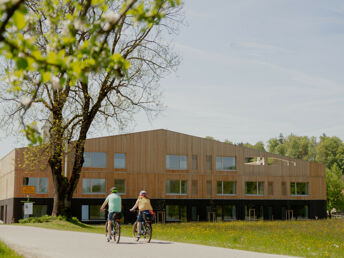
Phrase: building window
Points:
(176, 213)
(298, 188)
(120, 185)
(225, 187)
(225, 212)
(93, 186)
(209, 188)
(209, 162)
(95, 213)
(254, 188)
(176, 162)
(94, 160)
(194, 162)
(40, 183)
(225, 163)
(270, 188)
(176, 187)
(91, 212)
(194, 187)
(119, 160)
(284, 188)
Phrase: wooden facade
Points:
(145, 168)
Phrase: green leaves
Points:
(19, 18)
(21, 63)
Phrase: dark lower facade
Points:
(177, 210)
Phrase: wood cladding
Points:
(146, 168)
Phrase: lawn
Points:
(7, 252)
(321, 238)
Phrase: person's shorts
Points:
(111, 213)
(140, 217)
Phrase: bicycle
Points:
(146, 227)
(115, 227)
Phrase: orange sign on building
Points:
(28, 189)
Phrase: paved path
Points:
(35, 242)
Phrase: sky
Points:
(252, 69)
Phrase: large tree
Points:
(335, 189)
(78, 65)
(299, 147)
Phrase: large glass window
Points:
(120, 184)
(254, 188)
(94, 159)
(176, 213)
(176, 162)
(225, 212)
(40, 183)
(298, 188)
(176, 187)
(120, 160)
(95, 213)
(225, 187)
(93, 186)
(225, 163)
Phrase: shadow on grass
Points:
(78, 223)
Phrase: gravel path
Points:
(33, 242)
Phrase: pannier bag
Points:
(149, 216)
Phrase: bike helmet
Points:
(113, 190)
(143, 193)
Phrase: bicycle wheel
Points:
(148, 232)
(116, 232)
(135, 230)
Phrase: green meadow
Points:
(313, 238)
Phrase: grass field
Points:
(7, 252)
(321, 238)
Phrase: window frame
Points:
(82, 186)
(295, 192)
(179, 162)
(125, 160)
(125, 188)
(222, 188)
(222, 168)
(257, 188)
(91, 157)
(37, 181)
(180, 187)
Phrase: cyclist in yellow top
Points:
(144, 205)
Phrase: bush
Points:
(47, 218)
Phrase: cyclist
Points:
(115, 206)
(144, 205)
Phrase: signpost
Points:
(29, 189)
(28, 206)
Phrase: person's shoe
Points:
(138, 237)
(108, 238)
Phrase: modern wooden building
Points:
(188, 178)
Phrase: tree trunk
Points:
(64, 187)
